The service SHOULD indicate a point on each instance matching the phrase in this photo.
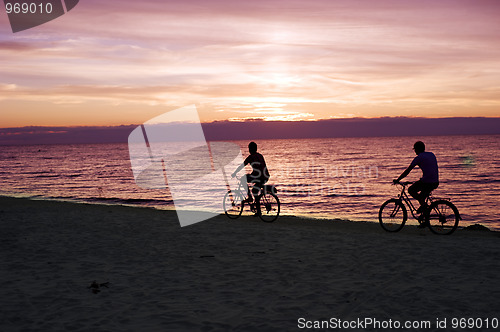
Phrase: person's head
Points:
(252, 147)
(419, 147)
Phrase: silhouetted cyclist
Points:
(429, 181)
(259, 175)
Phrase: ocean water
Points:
(347, 178)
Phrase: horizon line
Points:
(263, 121)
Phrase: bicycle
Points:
(266, 204)
(441, 215)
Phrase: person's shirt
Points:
(259, 168)
(428, 164)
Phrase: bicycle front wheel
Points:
(269, 207)
(233, 206)
(392, 215)
(443, 217)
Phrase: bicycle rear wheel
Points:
(233, 206)
(269, 207)
(443, 217)
(392, 215)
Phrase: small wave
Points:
(351, 195)
(473, 181)
(37, 172)
(296, 195)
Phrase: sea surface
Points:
(345, 178)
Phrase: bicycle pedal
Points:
(253, 208)
(423, 225)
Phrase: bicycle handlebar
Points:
(403, 183)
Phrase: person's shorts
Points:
(424, 188)
(259, 182)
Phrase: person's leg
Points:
(420, 191)
(426, 190)
(257, 187)
(414, 190)
(245, 179)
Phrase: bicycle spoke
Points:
(443, 217)
(269, 207)
(395, 211)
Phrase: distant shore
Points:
(225, 275)
(260, 129)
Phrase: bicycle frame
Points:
(242, 194)
(404, 197)
(238, 193)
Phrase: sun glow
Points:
(280, 79)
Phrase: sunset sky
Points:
(123, 62)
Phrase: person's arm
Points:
(237, 170)
(405, 173)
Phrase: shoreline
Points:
(410, 223)
(226, 275)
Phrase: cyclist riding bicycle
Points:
(429, 181)
(260, 174)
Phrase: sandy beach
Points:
(230, 275)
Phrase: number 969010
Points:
(28, 8)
